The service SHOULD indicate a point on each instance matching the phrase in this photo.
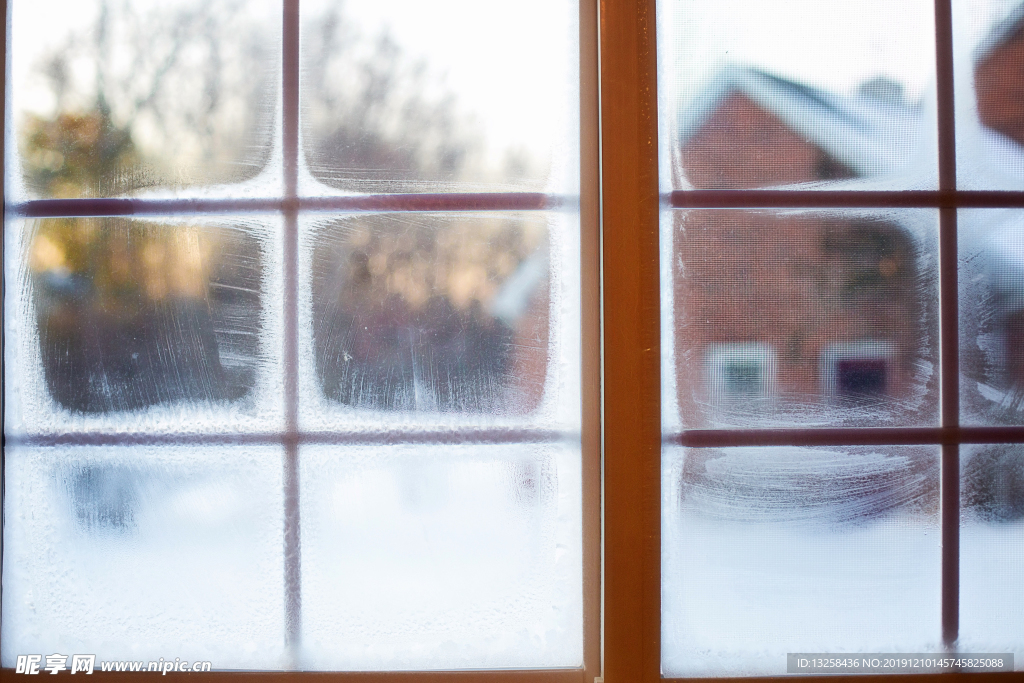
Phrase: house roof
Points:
(1002, 31)
(872, 133)
(881, 139)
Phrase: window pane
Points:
(989, 53)
(767, 551)
(432, 312)
(451, 96)
(991, 251)
(116, 316)
(992, 550)
(440, 320)
(144, 552)
(116, 98)
(799, 318)
(826, 94)
(442, 557)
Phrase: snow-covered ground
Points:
(412, 557)
(741, 590)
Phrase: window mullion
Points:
(632, 429)
(948, 325)
(290, 149)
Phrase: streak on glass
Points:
(991, 250)
(442, 557)
(432, 312)
(141, 553)
(801, 318)
(992, 549)
(773, 550)
(132, 314)
(112, 98)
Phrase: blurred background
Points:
(413, 312)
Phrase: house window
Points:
(300, 341)
(860, 370)
(741, 371)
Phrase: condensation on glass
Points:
(431, 312)
(132, 98)
(448, 338)
(989, 59)
(431, 557)
(991, 251)
(767, 551)
(992, 549)
(800, 318)
(139, 553)
(163, 320)
(439, 319)
(449, 96)
(825, 95)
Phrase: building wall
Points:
(742, 146)
(999, 84)
(800, 283)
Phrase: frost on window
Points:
(432, 312)
(402, 96)
(992, 316)
(773, 550)
(989, 57)
(138, 552)
(813, 318)
(118, 97)
(992, 549)
(132, 313)
(426, 556)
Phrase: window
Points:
(300, 333)
(398, 423)
(740, 371)
(764, 182)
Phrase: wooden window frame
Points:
(620, 357)
(632, 411)
(289, 205)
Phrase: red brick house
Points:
(795, 309)
(999, 87)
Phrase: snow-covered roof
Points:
(868, 132)
(883, 140)
(1000, 32)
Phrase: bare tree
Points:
(376, 119)
(186, 95)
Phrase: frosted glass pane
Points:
(989, 53)
(767, 551)
(144, 552)
(123, 321)
(992, 550)
(991, 252)
(109, 99)
(442, 557)
(440, 320)
(827, 94)
(799, 318)
(447, 96)
(435, 313)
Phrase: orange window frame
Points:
(631, 334)
(620, 357)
